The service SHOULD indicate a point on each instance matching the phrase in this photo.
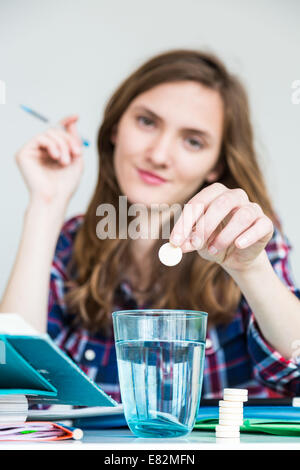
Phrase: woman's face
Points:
(167, 143)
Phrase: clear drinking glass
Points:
(160, 356)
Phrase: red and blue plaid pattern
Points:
(237, 355)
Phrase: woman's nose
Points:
(160, 150)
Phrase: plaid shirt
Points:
(237, 355)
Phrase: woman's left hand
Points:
(224, 227)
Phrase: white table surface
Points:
(123, 439)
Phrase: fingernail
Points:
(243, 241)
(196, 241)
(177, 239)
(213, 250)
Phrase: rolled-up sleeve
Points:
(269, 366)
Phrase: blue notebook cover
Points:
(34, 366)
(205, 415)
(285, 413)
(101, 422)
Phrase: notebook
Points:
(279, 420)
(33, 366)
(38, 432)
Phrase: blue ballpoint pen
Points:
(77, 433)
(44, 119)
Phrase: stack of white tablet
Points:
(231, 413)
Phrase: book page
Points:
(14, 324)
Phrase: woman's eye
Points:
(196, 143)
(144, 120)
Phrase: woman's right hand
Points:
(52, 163)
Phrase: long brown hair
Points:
(99, 264)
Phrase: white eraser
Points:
(169, 254)
(77, 434)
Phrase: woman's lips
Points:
(150, 178)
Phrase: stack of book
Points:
(34, 371)
(13, 408)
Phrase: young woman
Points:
(177, 131)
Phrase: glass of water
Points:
(160, 356)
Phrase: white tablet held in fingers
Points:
(169, 254)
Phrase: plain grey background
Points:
(68, 56)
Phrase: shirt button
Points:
(208, 343)
(90, 354)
